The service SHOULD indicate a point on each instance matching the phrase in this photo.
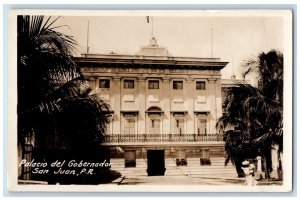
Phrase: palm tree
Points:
(269, 70)
(57, 111)
(44, 63)
(237, 141)
(259, 113)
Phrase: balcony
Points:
(162, 138)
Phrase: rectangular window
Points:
(104, 83)
(177, 85)
(128, 84)
(179, 127)
(202, 126)
(154, 126)
(129, 127)
(200, 85)
(153, 84)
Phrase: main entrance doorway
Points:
(156, 162)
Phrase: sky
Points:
(230, 38)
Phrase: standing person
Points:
(259, 174)
(252, 170)
(248, 173)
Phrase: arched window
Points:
(153, 110)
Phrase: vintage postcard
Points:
(150, 101)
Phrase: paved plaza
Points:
(192, 174)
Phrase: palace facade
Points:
(159, 101)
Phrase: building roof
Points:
(89, 59)
(152, 54)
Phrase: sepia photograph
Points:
(150, 101)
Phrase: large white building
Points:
(158, 101)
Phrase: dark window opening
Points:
(153, 84)
(178, 85)
(104, 83)
(200, 85)
(129, 84)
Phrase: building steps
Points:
(193, 168)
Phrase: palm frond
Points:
(262, 138)
(250, 65)
(53, 96)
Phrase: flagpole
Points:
(87, 40)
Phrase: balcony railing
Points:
(144, 138)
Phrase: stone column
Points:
(213, 107)
(117, 105)
(218, 98)
(166, 94)
(142, 105)
(189, 104)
